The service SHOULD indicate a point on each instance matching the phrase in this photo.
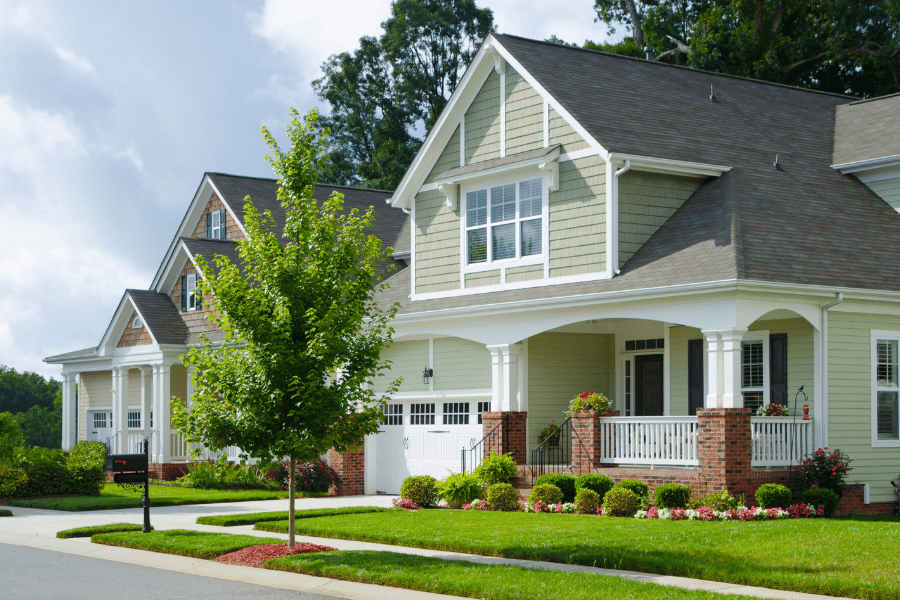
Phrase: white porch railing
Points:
(780, 441)
(649, 440)
(134, 443)
(181, 450)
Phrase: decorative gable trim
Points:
(486, 59)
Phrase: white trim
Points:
(611, 224)
(436, 395)
(875, 176)
(462, 140)
(412, 248)
(500, 67)
(576, 154)
(546, 119)
(538, 162)
(874, 337)
(670, 166)
(868, 164)
(763, 337)
(485, 289)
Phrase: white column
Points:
(731, 368)
(505, 377)
(118, 409)
(162, 411)
(820, 422)
(69, 430)
(713, 377)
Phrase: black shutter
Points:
(209, 225)
(695, 376)
(222, 232)
(183, 293)
(198, 294)
(778, 378)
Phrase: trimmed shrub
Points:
(773, 495)
(503, 496)
(641, 489)
(587, 501)
(85, 481)
(46, 470)
(672, 495)
(13, 481)
(719, 501)
(598, 482)
(620, 502)
(821, 497)
(421, 489)
(565, 483)
(496, 468)
(85, 455)
(547, 492)
(462, 488)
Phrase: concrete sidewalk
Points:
(37, 528)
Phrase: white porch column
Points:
(119, 409)
(146, 401)
(69, 429)
(713, 379)
(731, 368)
(162, 410)
(505, 377)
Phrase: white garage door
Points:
(424, 438)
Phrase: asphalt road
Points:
(32, 573)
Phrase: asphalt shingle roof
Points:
(161, 316)
(867, 129)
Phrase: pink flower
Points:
(653, 513)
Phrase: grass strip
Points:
(183, 542)
(823, 556)
(282, 515)
(5, 513)
(79, 532)
(114, 496)
(462, 578)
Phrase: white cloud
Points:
(131, 153)
(76, 62)
(30, 137)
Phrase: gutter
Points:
(615, 216)
(821, 412)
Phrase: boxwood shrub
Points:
(565, 483)
(620, 502)
(13, 481)
(547, 492)
(822, 497)
(421, 489)
(503, 496)
(773, 495)
(641, 489)
(598, 482)
(587, 501)
(672, 495)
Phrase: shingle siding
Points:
(524, 115)
(483, 122)
(578, 219)
(437, 244)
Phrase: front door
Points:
(99, 425)
(648, 385)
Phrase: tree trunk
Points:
(637, 30)
(292, 485)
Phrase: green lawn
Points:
(282, 515)
(843, 557)
(116, 496)
(94, 529)
(183, 542)
(492, 582)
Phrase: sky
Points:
(110, 113)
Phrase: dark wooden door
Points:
(778, 364)
(648, 385)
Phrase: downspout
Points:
(615, 217)
(822, 415)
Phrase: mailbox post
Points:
(131, 470)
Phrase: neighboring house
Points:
(673, 238)
(687, 243)
(126, 382)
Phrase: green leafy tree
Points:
(303, 334)
(21, 391)
(390, 91)
(42, 427)
(10, 437)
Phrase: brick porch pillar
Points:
(512, 434)
(588, 440)
(351, 470)
(724, 449)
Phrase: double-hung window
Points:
(190, 298)
(216, 224)
(885, 389)
(505, 222)
(755, 370)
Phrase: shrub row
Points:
(46, 472)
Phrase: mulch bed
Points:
(256, 556)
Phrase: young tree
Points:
(303, 334)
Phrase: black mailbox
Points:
(126, 463)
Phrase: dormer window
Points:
(216, 224)
(190, 299)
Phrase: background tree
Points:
(10, 437)
(21, 391)
(42, 427)
(386, 96)
(303, 334)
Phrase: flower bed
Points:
(742, 513)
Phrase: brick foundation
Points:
(588, 440)
(724, 449)
(167, 471)
(513, 434)
(351, 470)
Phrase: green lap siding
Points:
(449, 158)
(408, 360)
(678, 368)
(800, 357)
(560, 132)
(524, 115)
(560, 366)
(482, 279)
(483, 122)
(850, 400)
(889, 190)
(461, 365)
(437, 244)
(517, 274)
(646, 201)
(578, 219)
(93, 392)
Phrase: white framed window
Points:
(421, 414)
(216, 224)
(755, 369)
(100, 420)
(504, 224)
(134, 419)
(393, 414)
(483, 407)
(885, 388)
(456, 413)
(190, 299)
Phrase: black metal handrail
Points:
(554, 454)
(494, 441)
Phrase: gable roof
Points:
(160, 315)
(867, 130)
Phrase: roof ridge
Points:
(682, 67)
(241, 176)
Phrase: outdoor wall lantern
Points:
(427, 374)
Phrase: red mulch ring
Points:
(256, 556)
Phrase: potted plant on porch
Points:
(589, 401)
(552, 434)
